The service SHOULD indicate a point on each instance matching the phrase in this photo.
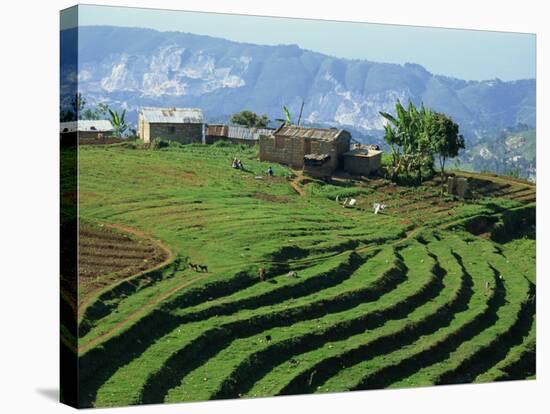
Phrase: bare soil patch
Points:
(109, 253)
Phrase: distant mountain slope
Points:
(512, 152)
(131, 67)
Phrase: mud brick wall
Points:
(291, 150)
(283, 150)
(182, 133)
(358, 165)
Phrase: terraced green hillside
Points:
(431, 291)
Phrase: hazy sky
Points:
(466, 54)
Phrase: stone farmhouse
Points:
(184, 125)
(319, 151)
(289, 144)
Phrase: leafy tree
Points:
(250, 119)
(416, 136)
(78, 104)
(89, 114)
(119, 124)
(71, 111)
(100, 112)
(409, 144)
(444, 138)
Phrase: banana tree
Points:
(119, 124)
(288, 118)
(406, 136)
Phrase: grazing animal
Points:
(293, 274)
(268, 338)
(261, 273)
(203, 268)
(378, 207)
(193, 266)
(350, 203)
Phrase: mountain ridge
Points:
(133, 67)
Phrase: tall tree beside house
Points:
(73, 110)
(405, 134)
(250, 119)
(416, 136)
(78, 103)
(444, 138)
(101, 111)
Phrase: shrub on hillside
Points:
(160, 143)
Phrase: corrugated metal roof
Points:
(172, 115)
(99, 125)
(326, 134)
(237, 132)
(240, 132)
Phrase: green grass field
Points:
(431, 291)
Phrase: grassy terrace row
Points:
(491, 345)
(297, 363)
(213, 290)
(519, 363)
(116, 304)
(424, 319)
(430, 347)
(100, 363)
(483, 340)
(191, 343)
(380, 275)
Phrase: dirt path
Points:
(295, 183)
(136, 315)
(138, 233)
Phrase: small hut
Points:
(184, 125)
(362, 161)
(289, 144)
